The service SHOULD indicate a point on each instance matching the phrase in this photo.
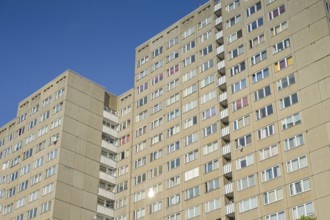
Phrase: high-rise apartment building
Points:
(228, 119)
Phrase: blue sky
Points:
(40, 39)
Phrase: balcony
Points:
(224, 115)
(218, 23)
(109, 146)
(229, 188)
(107, 177)
(226, 149)
(219, 37)
(109, 162)
(107, 194)
(227, 168)
(224, 131)
(105, 211)
(111, 115)
(217, 7)
(230, 209)
(221, 51)
(223, 98)
(221, 67)
(222, 82)
(110, 131)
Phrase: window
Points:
(234, 20)
(207, 80)
(157, 52)
(173, 181)
(188, 32)
(173, 114)
(25, 169)
(156, 155)
(189, 46)
(297, 164)
(211, 166)
(286, 82)
(27, 153)
(173, 84)
(235, 36)
(244, 162)
(236, 52)
(255, 24)
(156, 79)
(139, 213)
(246, 182)
(234, 4)
(212, 205)
(52, 155)
(173, 41)
(43, 117)
(281, 46)
(300, 186)
(258, 57)
(23, 186)
(279, 28)
(156, 108)
(188, 75)
(140, 178)
(276, 216)
(156, 123)
(191, 174)
(173, 200)
(142, 102)
(257, 40)
(260, 75)
(266, 131)
(240, 103)
(173, 147)
(276, 12)
(156, 171)
(262, 93)
(208, 96)
(189, 60)
(273, 196)
(39, 162)
(11, 192)
(306, 209)
(253, 9)
(59, 93)
(142, 74)
(209, 130)
(173, 130)
(205, 36)
(188, 91)
(19, 203)
(291, 121)
(284, 63)
(176, 216)
(46, 206)
(293, 142)
(237, 68)
(268, 152)
(193, 212)
(192, 192)
(241, 122)
(209, 148)
(142, 87)
(189, 106)
(157, 138)
(34, 109)
(173, 99)
(157, 65)
(288, 101)
(190, 122)
(140, 146)
(140, 162)
(190, 139)
(21, 118)
(207, 65)
(243, 141)
(236, 87)
(172, 70)
(212, 185)
(264, 112)
(139, 196)
(206, 50)
(173, 164)
(32, 213)
(328, 7)
(155, 207)
(50, 171)
(58, 107)
(270, 173)
(248, 204)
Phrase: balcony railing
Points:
(221, 64)
(230, 209)
(224, 113)
(109, 162)
(109, 146)
(220, 49)
(110, 131)
(217, 6)
(226, 149)
(229, 188)
(222, 81)
(111, 115)
(107, 177)
(223, 97)
(105, 211)
(224, 131)
(226, 168)
(106, 194)
(218, 21)
(219, 35)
